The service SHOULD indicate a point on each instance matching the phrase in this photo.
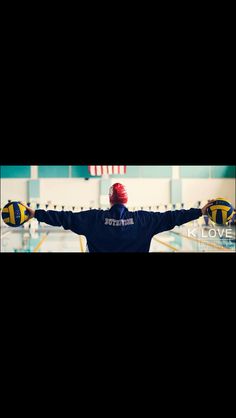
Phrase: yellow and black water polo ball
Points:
(14, 214)
(221, 211)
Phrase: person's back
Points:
(118, 230)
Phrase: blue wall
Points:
(225, 171)
(213, 171)
(63, 171)
(52, 171)
(15, 171)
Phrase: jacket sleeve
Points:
(168, 220)
(76, 222)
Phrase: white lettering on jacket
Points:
(119, 222)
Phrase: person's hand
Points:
(204, 209)
(31, 211)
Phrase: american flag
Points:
(100, 170)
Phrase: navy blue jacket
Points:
(117, 229)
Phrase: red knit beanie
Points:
(118, 194)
